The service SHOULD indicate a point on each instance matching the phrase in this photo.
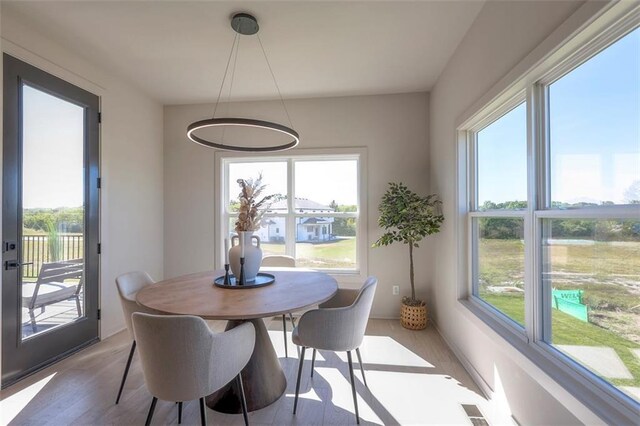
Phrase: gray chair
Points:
(338, 325)
(57, 282)
(183, 360)
(129, 285)
(283, 261)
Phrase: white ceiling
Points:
(176, 51)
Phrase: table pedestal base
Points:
(262, 378)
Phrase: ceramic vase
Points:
(252, 255)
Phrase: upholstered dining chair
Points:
(129, 285)
(284, 261)
(338, 325)
(183, 360)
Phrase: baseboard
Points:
(484, 387)
(105, 334)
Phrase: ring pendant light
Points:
(243, 24)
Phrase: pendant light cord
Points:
(233, 75)
(226, 70)
(274, 80)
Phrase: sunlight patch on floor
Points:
(278, 344)
(384, 350)
(11, 406)
(415, 398)
(311, 395)
(341, 397)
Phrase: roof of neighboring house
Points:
(301, 204)
(316, 220)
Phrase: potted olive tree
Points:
(407, 218)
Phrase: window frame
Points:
(475, 213)
(608, 26)
(222, 216)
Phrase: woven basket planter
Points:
(413, 317)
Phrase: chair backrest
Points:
(57, 272)
(361, 308)
(339, 329)
(129, 285)
(183, 360)
(60, 271)
(279, 260)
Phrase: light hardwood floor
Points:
(413, 378)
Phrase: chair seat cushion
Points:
(47, 293)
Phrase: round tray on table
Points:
(261, 280)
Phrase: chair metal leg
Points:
(284, 333)
(78, 307)
(243, 399)
(151, 409)
(353, 387)
(126, 370)
(295, 401)
(179, 412)
(293, 322)
(32, 316)
(313, 360)
(364, 379)
(203, 413)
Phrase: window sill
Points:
(349, 279)
(600, 397)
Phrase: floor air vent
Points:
(475, 415)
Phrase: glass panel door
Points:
(52, 211)
(50, 219)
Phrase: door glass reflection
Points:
(52, 212)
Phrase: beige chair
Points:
(129, 285)
(183, 360)
(283, 261)
(338, 325)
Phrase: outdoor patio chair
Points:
(56, 283)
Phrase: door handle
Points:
(14, 264)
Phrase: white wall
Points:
(503, 34)
(131, 162)
(392, 127)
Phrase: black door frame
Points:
(23, 357)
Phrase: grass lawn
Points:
(607, 272)
(335, 254)
(567, 330)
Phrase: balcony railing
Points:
(35, 251)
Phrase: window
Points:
(550, 178)
(498, 218)
(317, 217)
(591, 256)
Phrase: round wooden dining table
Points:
(294, 289)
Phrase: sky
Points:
(594, 134)
(53, 151)
(320, 181)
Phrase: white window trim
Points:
(569, 46)
(362, 249)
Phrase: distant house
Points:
(308, 229)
